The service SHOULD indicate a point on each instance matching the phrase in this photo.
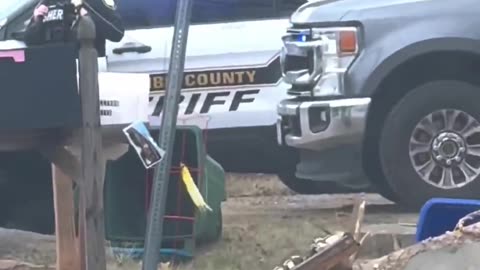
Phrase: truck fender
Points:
(383, 55)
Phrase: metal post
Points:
(153, 238)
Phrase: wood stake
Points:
(64, 220)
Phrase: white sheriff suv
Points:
(232, 82)
(232, 85)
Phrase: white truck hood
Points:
(318, 11)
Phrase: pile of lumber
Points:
(458, 249)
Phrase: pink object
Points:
(42, 10)
(17, 55)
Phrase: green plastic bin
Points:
(127, 192)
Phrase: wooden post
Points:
(93, 163)
(69, 164)
(67, 256)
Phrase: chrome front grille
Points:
(298, 61)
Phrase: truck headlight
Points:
(341, 41)
(340, 47)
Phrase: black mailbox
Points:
(39, 89)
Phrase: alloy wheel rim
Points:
(444, 149)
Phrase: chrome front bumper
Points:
(318, 125)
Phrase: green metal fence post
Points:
(153, 239)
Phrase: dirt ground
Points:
(264, 223)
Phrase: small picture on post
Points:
(143, 143)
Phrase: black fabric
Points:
(107, 22)
(40, 92)
(58, 21)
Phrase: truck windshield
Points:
(9, 7)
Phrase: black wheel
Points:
(430, 143)
(300, 186)
(286, 162)
(380, 185)
(309, 187)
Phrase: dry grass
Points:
(260, 243)
(254, 185)
(256, 242)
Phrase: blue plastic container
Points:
(439, 215)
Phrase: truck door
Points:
(232, 75)
(143, 48)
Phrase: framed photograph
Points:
(147, 149)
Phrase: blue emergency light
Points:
(302, 38)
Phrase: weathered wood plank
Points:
(93, 165)
(332, 256)
(67, 256)
(451, 250)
